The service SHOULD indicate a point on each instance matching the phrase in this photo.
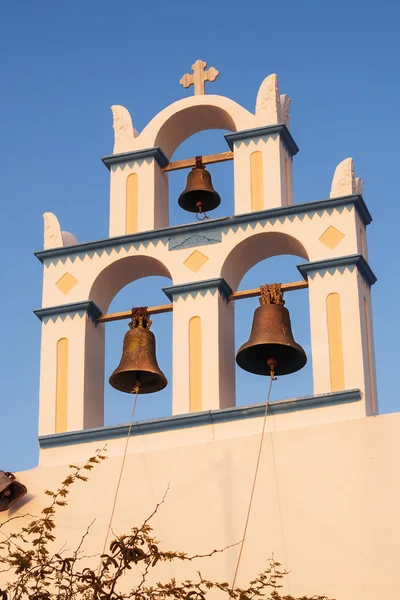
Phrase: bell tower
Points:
(206, 261)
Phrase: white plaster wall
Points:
(152, 196)
(346, 284)
(100, 277)
(326, 501)
(218, 352)
(271, 149)
(307, 231)
(85, 373)
(368, 360)
(287, 185)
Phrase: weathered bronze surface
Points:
(199, 194)
(138, 369)
(11, 490)
(271, 337)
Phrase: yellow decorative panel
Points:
(66, 283)
(195, 365)
(335, 339)
(62, 386)
(132, 203)
(257, 181)
(196, 261)
(331, 237)
(288, 184)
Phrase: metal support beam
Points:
(163, 308)
(191, 162)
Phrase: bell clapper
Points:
(200, 215)
(272, 364)
(136, 387)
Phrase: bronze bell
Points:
(11, 490)
(138, 369)
(271, 349)
(199, 195)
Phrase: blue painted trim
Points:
(64, 310)
(218, 284)
(221, 225)
(258, 132)
(339, 264)
(237, 413)
(126, 157)
(360, 207)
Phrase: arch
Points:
(121, 272)
(256, 248)
(188, 116)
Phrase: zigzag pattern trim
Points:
(52, 313)
(214, 228)
(247, 135)
(340, 264)
(174, 292)
(115, 161)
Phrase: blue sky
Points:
(63, 64)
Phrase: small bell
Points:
(199, 195)
(271, 349)
(11, 490)
(138, 369)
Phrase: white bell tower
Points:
(206, 262)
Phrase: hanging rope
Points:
(135, 391)
(272, 378)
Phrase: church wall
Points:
(326, 501)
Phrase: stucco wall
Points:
(327, 500)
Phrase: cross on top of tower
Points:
(199, 77)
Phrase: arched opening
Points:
(188, 116)
(121, 272)
(251, 389)
(255, 249)
(129, 282)
(260, 259)
(171, 129)
(118, 405)
(201, 144)
(185, 123)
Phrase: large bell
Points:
(271, 348)
(11, 490)
(199, 194)
(138, 369)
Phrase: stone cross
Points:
(199, 77)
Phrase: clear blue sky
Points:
(63, 64)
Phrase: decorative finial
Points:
(343, 182)
(199, 77)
